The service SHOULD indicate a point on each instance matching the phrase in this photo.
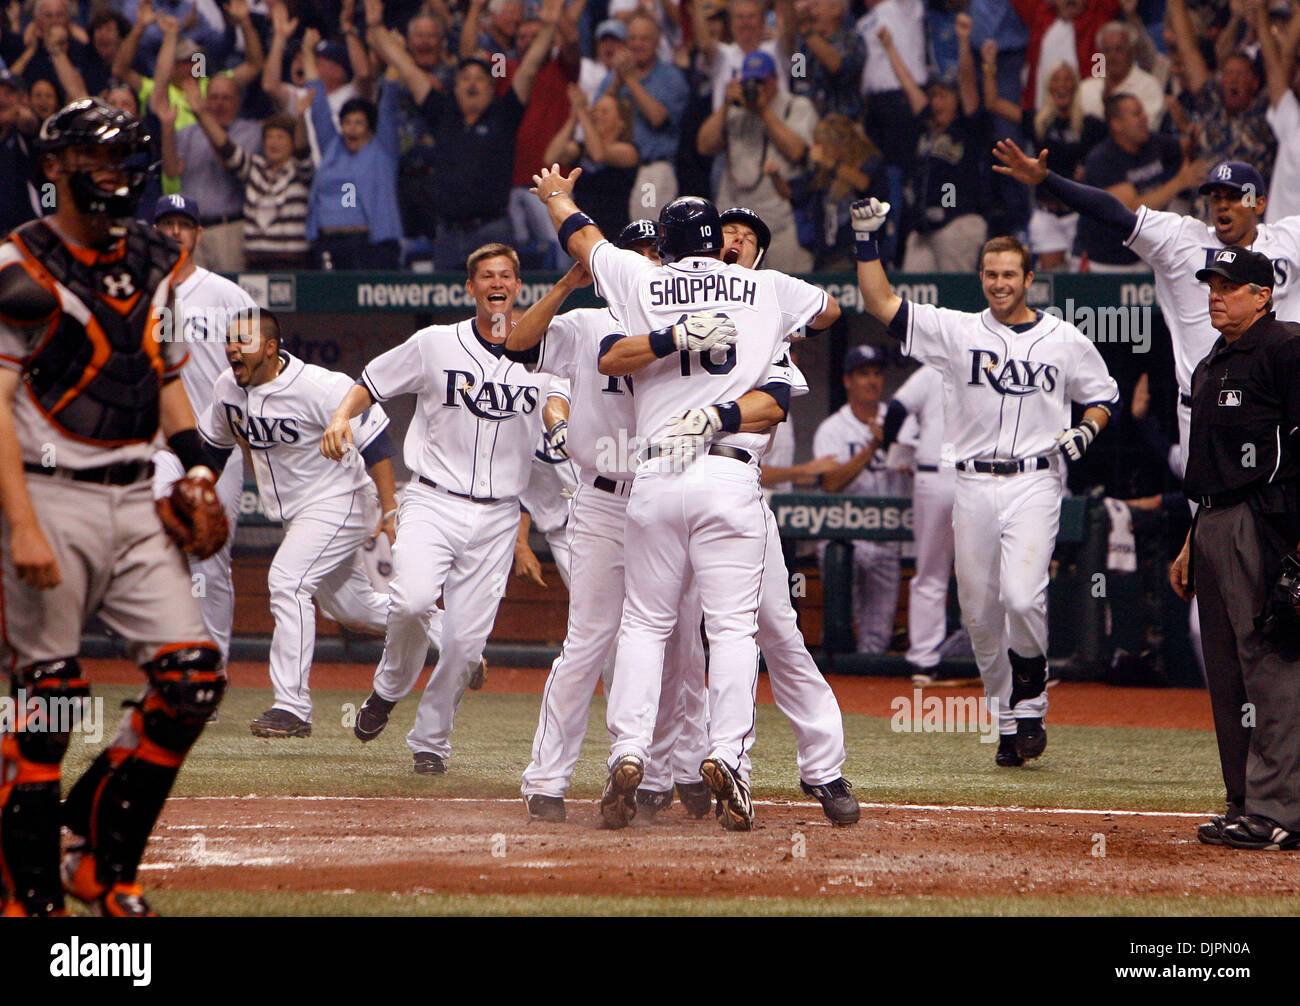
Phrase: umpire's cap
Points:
(688, 225)
(1234, 175)
(863, 356)
(1239, 265)
(636, 232)
(746, 216)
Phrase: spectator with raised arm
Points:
(827, 56)
(611, 40)
(722, 60)
(606, 154)
(1279, 56)
(352, 216)
(108, 29)
(499, 36)
(766, 136)
(1230, 109)
(49, 48)
(1060, 31)
(889, 115)
(474, 143)
(843, 165)
(1117, 72)
(208, 35)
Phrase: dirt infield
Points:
(453, 846)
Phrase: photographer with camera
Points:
(766, 135)
(1243, 472)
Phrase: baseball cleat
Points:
(479, 677)
(428, 763)
(1253, 831)
(545, 808)
(652, 801)
(372, 717)
(1007, 756)
(696, 798)
(837, 800)
(280, 723)
(124, 901)
(1211, 832)
(1031, 738)
(736, 809)
(618, 801)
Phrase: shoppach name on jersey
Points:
(704, 290)
(1012, 377)
(261, 432)
(493, 400)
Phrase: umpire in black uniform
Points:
(1243, 471)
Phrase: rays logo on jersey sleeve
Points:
(494, 401)
(1013, 377)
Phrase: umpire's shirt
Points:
(1242, 468)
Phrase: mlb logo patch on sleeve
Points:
(1232, 398)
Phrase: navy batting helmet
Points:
(688, 225)
(636, 232)
(90, 122)
(747, 217)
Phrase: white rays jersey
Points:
(282, 421)
(602, 423)
(206, 303)
(1175, 247)
(765, 306)
(1008, 392)
(922, 396)
(842, 435)
(477, 414)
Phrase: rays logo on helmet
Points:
(493, 401)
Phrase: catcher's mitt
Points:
(192, 515)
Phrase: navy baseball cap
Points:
(1233, 175)
(863, 356)
(1239, 265)
(758, 65)
(178, 203)
(335, 52)
(636, 232)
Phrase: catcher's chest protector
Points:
(99, 380)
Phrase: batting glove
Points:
(1074, 441)
(868, 216)
(703, 330)
(557, 440)
(682, 449)
(696, 423)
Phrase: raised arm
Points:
(213, 130)
(56, 44)
(1095, 203)
(1277, 64)
(994, 102)
(250, 69)
(531, 328)
(363, 73)
(539, 52)
(562, 149)
(1194, 68)
(879, 299)
(392, 51)
(967, 79)
(712, 136)
(282, 28)
(122, 67)
(916, 98)
(469, 32)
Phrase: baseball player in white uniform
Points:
(920, 400)
(277, 407)
(1176, 246)
(704, 518)
(552, 481)
(1011, 373)
(469, 449)
(203, 306)
(853, 435)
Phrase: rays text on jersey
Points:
(1010, 377)
(494, 400)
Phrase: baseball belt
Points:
(611, 486)
(452, 492)
(1184, 399)
(1004, 467)
(124, 473)
(717, 450)
(927, 468)
(1217, 501)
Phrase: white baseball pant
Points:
(1005, 529)
(681, 737)
(216, 581)
(707, 520)
(927, 605)
(462, 550)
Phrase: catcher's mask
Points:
(90, 122)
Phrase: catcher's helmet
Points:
(688, 226)
(746, 216)
(636, 232)
(90, 122)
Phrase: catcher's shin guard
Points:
(114, 806)
(45, 697)
(1028, 677)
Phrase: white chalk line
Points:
(963, 808)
